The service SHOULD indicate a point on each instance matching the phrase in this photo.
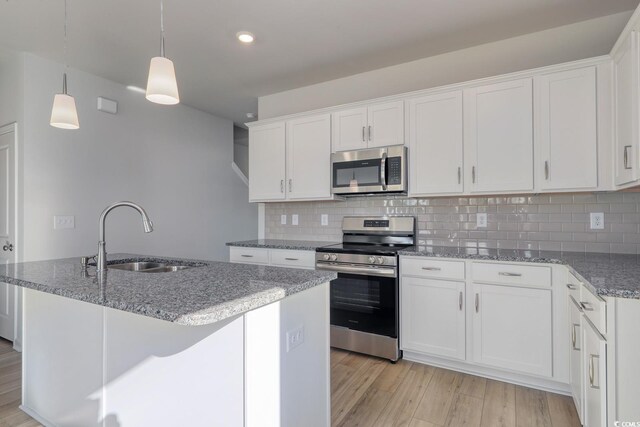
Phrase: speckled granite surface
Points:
(206, 293)
(607, 275)
(298, 245)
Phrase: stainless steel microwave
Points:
(375, 170)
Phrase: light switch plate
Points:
(294, 219)
(481, 220)
(283, 219)
(324, 219)
(62, 222)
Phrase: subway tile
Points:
(597, 207)
(560, 199)
(624, 248)
(572, 208)
(533, 246)
(551, 226)
(609, 198)
(549, 208)
(538, 235)
(573, 247)
(538, 200)
(560, 236)
(584, 198)
(598, 247)
(530, 226)
(550, 246)
(575, 227)
(584, 237)
(631, 238)
(624, 228)
(623, 208)
(610, 237)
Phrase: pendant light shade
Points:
(162, 87)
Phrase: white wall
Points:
(241, 149)
(10, 87)
(174, 161)
(562, 44)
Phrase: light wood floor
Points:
(366, 391)
(371, 392)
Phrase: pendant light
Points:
(64, 114)
(162, 87)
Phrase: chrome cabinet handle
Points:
(574, 336)
(626, 157)
(460, 301)
(369, 133)
(8, 247)
(506, 273)
(292, 259)
(592, 373)
(572, 287)
(432, 268)
(546, 170)
(282, 185)
(383, 170)
(290, 184)
(459, 174)
(473, 174)
(363, 140)
(586, 306)
(246, 256)
(477, 302)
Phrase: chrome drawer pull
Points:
(477, 302)
(574, 336)
(432, 268)
(292, 259)
(506, 273)
(572, 287)
(247, 256)
(586, 306)
(592, 371)
(460, 301)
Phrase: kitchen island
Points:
(214, 344)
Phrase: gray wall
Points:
(174, 161)
(241, 149)
(567, 43)
(546, 222)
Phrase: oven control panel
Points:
(376, 223)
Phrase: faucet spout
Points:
(101, 263)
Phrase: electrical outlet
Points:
(597, 221)
(61, 222)
(481, 220)
(294, 219)
(295, 337)
(324, 219)
(283, 219)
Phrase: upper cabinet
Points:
(626, 81)
(498, 125)
(435, 144)
(377, 125)
(290, 161)
(566, 130)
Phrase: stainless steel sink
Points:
(148, 267)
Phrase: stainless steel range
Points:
(364, 297)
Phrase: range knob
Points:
(333, 257)
(380, 260)
(325, 257)
(372, 260)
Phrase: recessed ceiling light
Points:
(245, 37)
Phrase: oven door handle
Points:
(383, 171)
(356, 269)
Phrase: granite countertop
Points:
(298, 245)
(205, 293)
(606, 275)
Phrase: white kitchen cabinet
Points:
(627, 92)
(267, 147)
(566, 130)
(576, 371)
(498, 123)
(595, 376)
(275, 257)
(376, 125)
(435, 144)
(308, 157)
(433, 317)
(512, 328)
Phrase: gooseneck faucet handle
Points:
(101, 263)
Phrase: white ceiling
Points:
(299, 42)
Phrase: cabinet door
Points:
(433, 317)
(435, 144)
(385, 124)
(566, 130)
(512, 328)
(575, 361)
(499, 137)
(595, 377)
(309, 157)
(267, 162)
(349, 129)
(626, 71)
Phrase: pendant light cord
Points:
(66, 62)
(161, 28)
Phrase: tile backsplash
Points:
(545, 222)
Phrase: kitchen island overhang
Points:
(262, 361)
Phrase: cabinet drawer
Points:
(295, 259)
(573, 287)
(432, 268)
(529, 275)
(249, 255)
(594, 309)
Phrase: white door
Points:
(433, 317)
(435, 144)
(566, 130)
(7, 227)
(595, 377)
(499, 137)
(385, 124)
(512, 328)
(267, 162)
(349, 129)
(575, 361)
(626, 109)
(309, 157)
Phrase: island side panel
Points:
(164, 374)
(62, 360)
(289, 388)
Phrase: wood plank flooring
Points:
(366, 391)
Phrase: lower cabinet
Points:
(576, 370)
(433, 317)
(512, 328)
(595, 376)
(275, 257)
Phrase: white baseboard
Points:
(36, 417)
